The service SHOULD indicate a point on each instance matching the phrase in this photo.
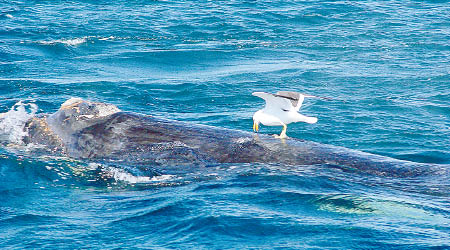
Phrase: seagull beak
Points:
(255, 127)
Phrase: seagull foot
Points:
(282, 136)
(283, 133)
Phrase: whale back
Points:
(81, 129)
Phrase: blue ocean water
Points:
(384, 64)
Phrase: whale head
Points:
(76, 114)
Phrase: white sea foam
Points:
(69, 42)
(121, 175)
(106, 38)
(12, 122)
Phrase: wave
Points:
(79, 40)
(12, 123)
(68, 42)
(124, 176)
(107, 38)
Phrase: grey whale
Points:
(101, 132)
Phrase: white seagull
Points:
(280, 110)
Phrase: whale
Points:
(101, 132)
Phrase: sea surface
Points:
(383, 65)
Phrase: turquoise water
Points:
(384, 64)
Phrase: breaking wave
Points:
(119, 174)
(12, 122)
(68, 42)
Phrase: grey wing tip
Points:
(289, 94)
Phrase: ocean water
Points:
(385, 65)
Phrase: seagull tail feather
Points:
(307, 119)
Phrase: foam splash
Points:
(12, 123)
(69, 42)
(122, 175)
(106, 38)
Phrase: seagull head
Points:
(256, 120)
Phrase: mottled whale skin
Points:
(101, 132)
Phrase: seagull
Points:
(281, 109)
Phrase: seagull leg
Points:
(283, 133)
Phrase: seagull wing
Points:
(295, 98)
(275, 102)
